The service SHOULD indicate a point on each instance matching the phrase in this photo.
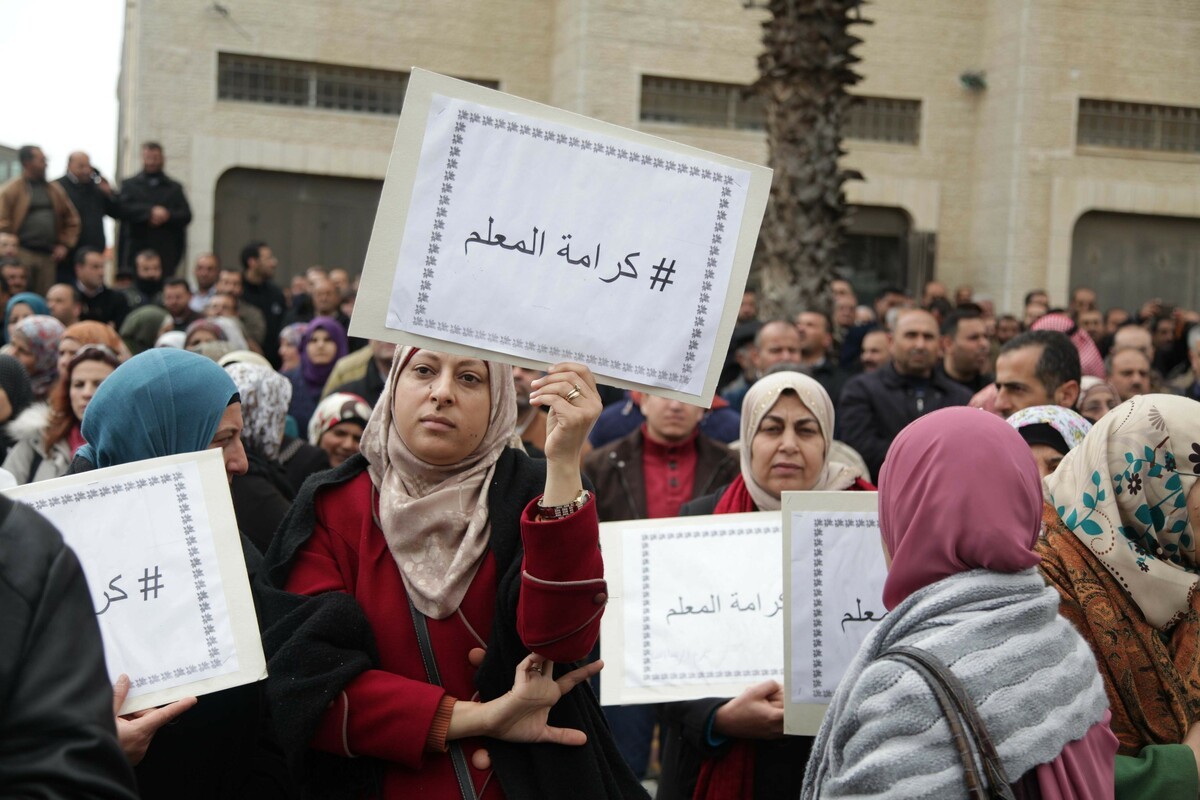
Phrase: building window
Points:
(1138, 126)
(709, 104)
(313, 85)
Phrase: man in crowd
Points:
(1082, 299)
(41, 216)
(934, 290)
(341, 280)
(253, 321)
(260, 291)
(324, 301)
(147, 281)
(207, 270)
(93, 199)
(876, 350)
(9, 245)
(650, 474)
(1092, 323)
(964, 295)
(155, 212)
(176, 299)
(967, 350)
(65, 302)
(876, 406)
(100, 303)
(370, 386)
(15, 275)
(1132, 335)
(776, 342)
(1128, 371)
(1114, 318)
(816, 339)
(748, 310)
(1188, 384)
(1037, 368)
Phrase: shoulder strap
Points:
(465, 786)
(958, 708)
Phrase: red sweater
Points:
(388, 712)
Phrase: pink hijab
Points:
(959, 490)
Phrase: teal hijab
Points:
(159, 403)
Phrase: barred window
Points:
(729, 105)
(306, 84)
(1138, 126)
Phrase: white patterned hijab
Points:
(265, 398)
(435, 518)
(760, 399)
(1123, 493)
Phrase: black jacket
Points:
(267, 298)
(261, 498)
(369, 387)
(138, 195)
(93, 205)
(108, 306)
(616, 472)
(877, 405)
(316, 645)
(57, 738)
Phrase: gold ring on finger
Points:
(571, 395)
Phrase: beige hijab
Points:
(1123, 493)
(435, 518)
(760, 399)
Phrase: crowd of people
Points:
(421, 532)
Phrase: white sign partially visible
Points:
(162, 555)
(541, 236)
(695, 609)
(835, 574)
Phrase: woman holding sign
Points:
(417, 598)
(734, 749)
(964, 596)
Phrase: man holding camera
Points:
(93, 198)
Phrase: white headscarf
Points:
(435, 518)
(760, 399)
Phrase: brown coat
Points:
(14, 205)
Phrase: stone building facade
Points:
(1007, 144)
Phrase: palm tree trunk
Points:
(804, 72)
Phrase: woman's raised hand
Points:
(569, 391)
(521, 714)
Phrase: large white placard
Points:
(834, 583)
(162, 555)
(695, 607)
(513, 229)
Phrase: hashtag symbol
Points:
(659, 271)
(147, 587)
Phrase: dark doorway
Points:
(1130, 258)
(307, 219)
(881, 249)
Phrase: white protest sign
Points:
(695, 607)
(834, 584)
(162, 555)
(511, 230)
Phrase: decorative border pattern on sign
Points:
(647, 675)
(198, 578)
(583, 144)
(818, 577)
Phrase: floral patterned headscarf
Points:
(1065, 422)
(1123, 493)
(265, 397)
(41, 335)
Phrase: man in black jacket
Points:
(258, 268)
(649, 474)
(93, 198)
(57, 736)
(155, 213)
(100, 303)
(876, 406)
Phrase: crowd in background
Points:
(813, 401)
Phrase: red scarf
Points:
(736, 499)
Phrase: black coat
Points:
(261, 498)
(138, 195)
(93, 205)
(316, 645)
(107, 306)
(878, 405)
(57, 738)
